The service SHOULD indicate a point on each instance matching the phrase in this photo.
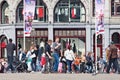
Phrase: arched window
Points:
(99, 39)
(115, 38)
(5, 13)
(41, 12)
(69, 11)
(115, 7)
(19, 12)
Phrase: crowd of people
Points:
(49, 58)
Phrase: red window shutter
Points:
(40, 12)
(3, 45)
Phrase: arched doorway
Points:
(116, 39)
(99, 45)
(3, 43)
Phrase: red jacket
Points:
(43, 61)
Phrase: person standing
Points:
(56, 53)
(34, 59)
(112, 58)
(10, 51)
(48, 56)
(89, 62)
(70, 57)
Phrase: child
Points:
(76, 64)
(60, 67)
(43, 62)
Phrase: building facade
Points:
(71, 20)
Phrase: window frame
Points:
(69, 5)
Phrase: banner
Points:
(99, 15)
(29, 11)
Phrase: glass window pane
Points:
(64, 32)
(41, 12)
(76, 33)
(5, 11)
(60, 32)
(69, 11)
(79, 33)
(68, 32)
(38, 33)
(46, 33)
(83, 32)
(115, 7)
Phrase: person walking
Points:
(56, 53)
(10, 51)
(70, 57)
(89, 62)
(34, 59)
(48, 56)
(112, 58)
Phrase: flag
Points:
(29, 11)
(99, 15)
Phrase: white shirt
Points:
(69, 55)
(28, 54)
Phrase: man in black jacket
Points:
(48, 56)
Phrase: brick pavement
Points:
(57, 76)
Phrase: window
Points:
(19, 12)
(5, 13)
(41, 12)
(99, 39)
(69, 11)
(115, 7)
(115, 37)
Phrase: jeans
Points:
(49, 65)
(33, 65)
(82, 67)
(115, 64)
(89, 67)
(69, 64)
(56, 61)
(10, 63)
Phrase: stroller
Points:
(21, 66)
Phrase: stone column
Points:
(107, 12)
(50, 25)
(50, 32)
(88, 38)
(106, 36)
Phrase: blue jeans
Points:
(115, 64)
(56, 61)
(33, 65)
(69, 64)
(10, 63)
